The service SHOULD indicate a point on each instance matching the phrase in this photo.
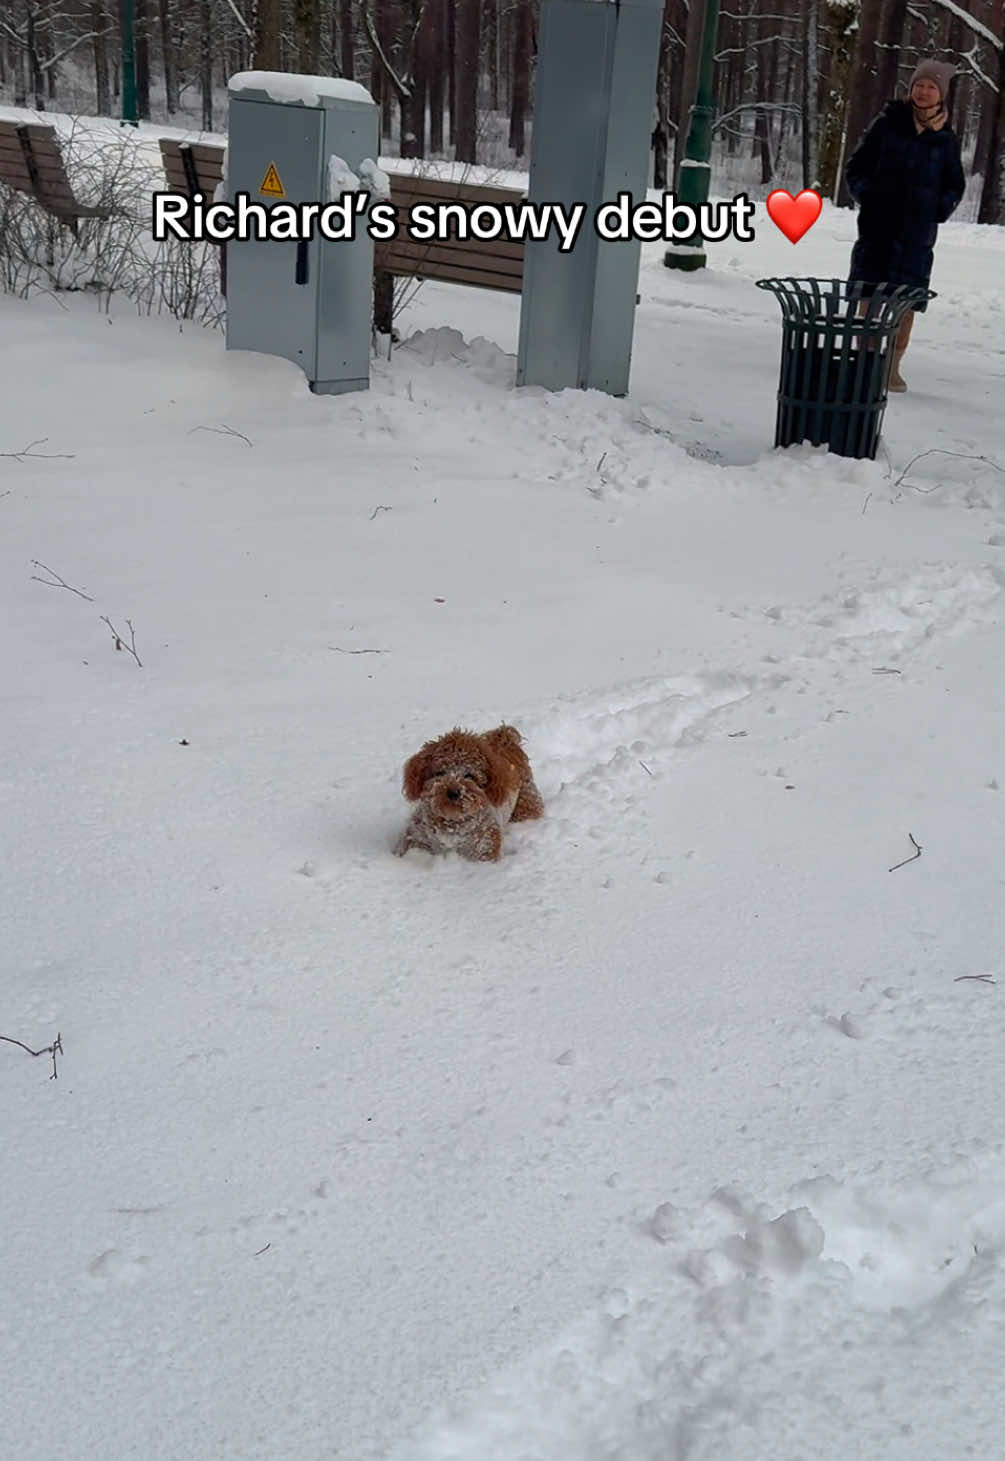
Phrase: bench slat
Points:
(471, 270)
(474, 278)
(459, 256)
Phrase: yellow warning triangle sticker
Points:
(271, 184)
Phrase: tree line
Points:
(789, 74)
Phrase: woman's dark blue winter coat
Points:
(906, 183)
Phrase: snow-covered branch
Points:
(978, 27)
(231, 6)
(401, 87)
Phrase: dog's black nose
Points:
(454, 794)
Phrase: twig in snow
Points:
(645, 767)
(982, 978)
(866, 503)
(60, 582)
(379, 508)
(263, 1250)
(26, 452)
(223, 431)
(913, 858)
(57, 1044)
(119, 641)
(942, 451)
(884, 670)
(338, 650)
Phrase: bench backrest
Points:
(31, 162)
(192, 167)
(484, 263)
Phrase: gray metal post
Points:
(594, 91)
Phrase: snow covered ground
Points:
(679, 1133)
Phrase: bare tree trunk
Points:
(985, 133)
(452, 67)
(206, 62)
(661, 136)
(385, 31)
(348, 40)
(891, 31)
(416, 22)
(142, 61)
(490, 30)
(268, 15)
(469, 28)
(168, 58)
(99, 47)
(437, 46)
(992, 204)
(840, 20)
(32, 60)
(521, 77)
(811, 17)
(689, 88)
(306, 32)
(863, 101)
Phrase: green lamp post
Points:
(128, 15)
(695, 167)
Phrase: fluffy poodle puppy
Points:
(467, 785)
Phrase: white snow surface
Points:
(309, 91)
(677, 1134)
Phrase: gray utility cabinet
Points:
(593, 108)
(310, 302)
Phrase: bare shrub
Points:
(110, 249)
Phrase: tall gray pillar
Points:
(597, 65)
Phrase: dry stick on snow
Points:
(913, 858)
(339, 650)
(27, 452)
(60, 582)
(223, 431)
(942, 451)
(57, 1044)
(119, 641)
(981, 978)
(645, 767)
(379, 508)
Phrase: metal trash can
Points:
(837, 355)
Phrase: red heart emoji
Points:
(794, 216)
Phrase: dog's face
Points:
(458, 775)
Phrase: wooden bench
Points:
(31, 163)
(191, 168)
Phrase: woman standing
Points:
(907, 177)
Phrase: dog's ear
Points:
(506, 735)
(503, 776)
(415, 775)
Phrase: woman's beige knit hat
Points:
(941, 72)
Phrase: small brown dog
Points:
(468, 785)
